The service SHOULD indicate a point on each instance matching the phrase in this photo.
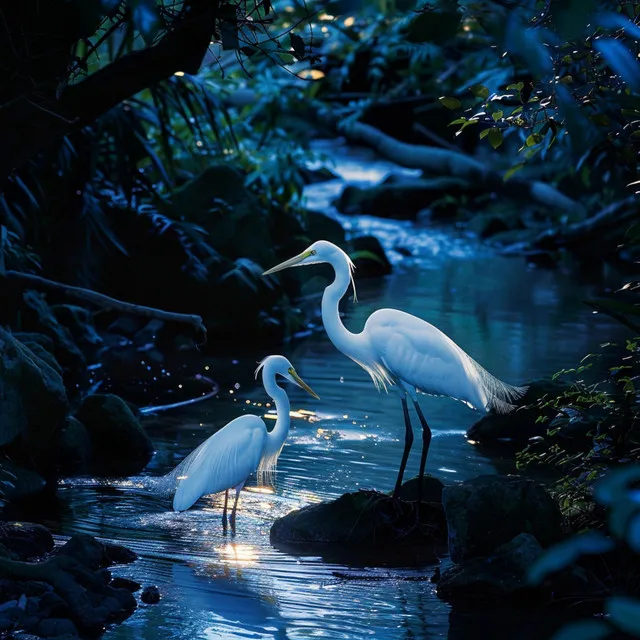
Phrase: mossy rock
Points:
(364, 526)
(119, 444)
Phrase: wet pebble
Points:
(125, 583)
(150, 595)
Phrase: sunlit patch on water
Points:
(242, 555)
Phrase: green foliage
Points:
(617, 492)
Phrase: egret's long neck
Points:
(341, 337)
(277, 435)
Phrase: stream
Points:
(520, 323)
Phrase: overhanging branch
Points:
(106, 302)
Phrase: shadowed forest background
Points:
(156, 157)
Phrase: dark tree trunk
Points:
(36, 51)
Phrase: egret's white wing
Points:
(424, 357)
(221, 462)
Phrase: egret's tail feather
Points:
(167, 485)
(500, 396)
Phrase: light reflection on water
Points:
(520, 324)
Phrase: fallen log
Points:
(106, 302)
(612, 217)
(454, 163)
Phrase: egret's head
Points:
(279, 365)
(317, 253)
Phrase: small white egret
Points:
(226, 459)
(396, 348)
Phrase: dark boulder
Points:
(431, 489)
(487, 511)
(320, 226)
(502, 579)
(21, 483)
(363, 522)
(125, 583)
(369, 257)
(117, 554)
(487, 225)
(80, 324)
(42, 346)
(95, 554)
(500, 575)
(66, 595)
(25, 540)
(75, 448)
(55, 627)
(37, 316)
(120, 446)
(33, 406)
(518, 427)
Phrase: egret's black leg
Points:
(224, 511)
(408, 441)
(233, 511)
(426, 441)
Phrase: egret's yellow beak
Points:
(301, 383)
(292, 262)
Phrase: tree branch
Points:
(29, 124)
(106, 302)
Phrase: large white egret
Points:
(401, 350)
(226, 459)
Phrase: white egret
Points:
(401, 350)
(226, 459)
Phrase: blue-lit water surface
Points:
(521, 323)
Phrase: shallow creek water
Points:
(520, 323)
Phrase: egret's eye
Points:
(312, 252)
